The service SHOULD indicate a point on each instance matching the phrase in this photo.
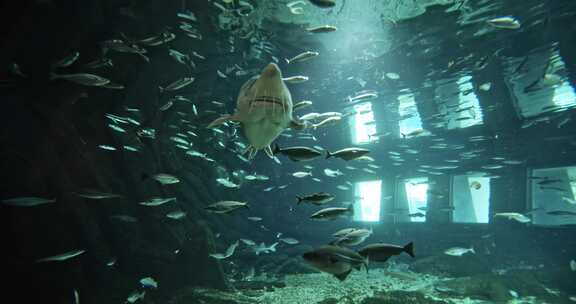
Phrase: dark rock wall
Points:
(50, 136)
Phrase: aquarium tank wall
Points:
(288, 151)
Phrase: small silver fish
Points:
(322, 29)
(95, 194)
(229, 252)
(302, 57)
(458, 251)
(149, 282)
(164, 179)
(157, 201)
(296, 79)
(67, 61)
(28, 201)
(178, 84)
(82, 78)
(176, 215)
(508, 22)
(61, 257)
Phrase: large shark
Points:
(264, 110)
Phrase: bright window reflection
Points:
(564, 95)
(363, 123)
(541, 85)
(417, 197)
(471, 199)
(554, 196)
(367, 207)
(468, 112)
(409, 117)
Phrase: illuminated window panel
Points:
(410, 122)
(468, 113)
(417, 197)
(471, 199)
(553, 196)
(564, 95)
(367, 196)
(363, 123)
(541, 85)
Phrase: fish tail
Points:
(351, 209)
(144, 176)
(409, 249)
(300, 199)
(328, 154)
(287, 60)
(276, 149)
(160, 89)
(53, 76)
(246, 206)
(472, 250)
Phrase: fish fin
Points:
(269, 152)
(409, 249)
(472, 250)
(252, 152)
(335, 242)
(245, 150)
(144, 176)
(299, 124)
(276, 149)
(328, 154)
(273, 247)
(343, 276)
(220, 120)
(287, 60)
(300, 199)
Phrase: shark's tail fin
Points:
(409, 249)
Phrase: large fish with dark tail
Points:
(264, 110)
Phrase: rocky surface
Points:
(400, 297)
(452, 266)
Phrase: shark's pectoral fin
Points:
(222, 119)
(269, 152)
(299, 124)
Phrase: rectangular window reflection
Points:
(468, 113)
(367, 197)
(553, 196)
(541, 85)
(416, 195)
(471, 199)
(410, 122)
(363, 123)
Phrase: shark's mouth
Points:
(268, 99)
